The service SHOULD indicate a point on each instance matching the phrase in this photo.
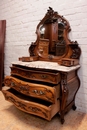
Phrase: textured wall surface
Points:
(22, 17)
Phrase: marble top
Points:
(46, 65)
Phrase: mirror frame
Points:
(52, 16)
(73, 51)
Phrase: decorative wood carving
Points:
(51, 77)
(76, 51)
(25, 107)
(30, 89)
(32, 48)
(69, 89)
(43, 110)
(54, 28)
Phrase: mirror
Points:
(52, 33)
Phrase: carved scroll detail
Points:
(64, 95)
(24, 88)
(76, 51)
(29, 90)
(64, 82)
(32, 49)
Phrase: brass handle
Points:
(35, 91)
(12, 84)
(41, 92)
(38, 92)
(34, 109)
(43, 76)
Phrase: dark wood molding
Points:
(2, 43)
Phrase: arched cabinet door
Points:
(2, 41)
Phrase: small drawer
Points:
(37, 75)
(30, 105)
(48, 93)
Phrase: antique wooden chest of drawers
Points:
(46, 82)
(41, 91)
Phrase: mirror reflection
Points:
(52, 31)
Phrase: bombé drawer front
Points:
(44, 92)
(30, 105)
(37, 75)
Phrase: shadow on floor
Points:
(24, 121)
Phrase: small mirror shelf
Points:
(52, 43)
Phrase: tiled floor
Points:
(13, 119)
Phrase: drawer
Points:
(37, 75)
(33, 106)
(48, 93)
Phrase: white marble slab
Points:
(46, 65)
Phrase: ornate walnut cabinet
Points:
(46, 82)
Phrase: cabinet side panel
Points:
(72, 86)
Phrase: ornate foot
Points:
(74, 107)
(62, 121)
(62, 117)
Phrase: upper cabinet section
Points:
(52, 43)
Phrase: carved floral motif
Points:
(25, 107)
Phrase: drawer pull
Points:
(43, 76)
(12, 84)
(34, 109)
(41, 92)
(35, 91)
(38, 93)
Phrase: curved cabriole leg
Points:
(74, 106)
(62, 118)
(64, 90)
(62, 121)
